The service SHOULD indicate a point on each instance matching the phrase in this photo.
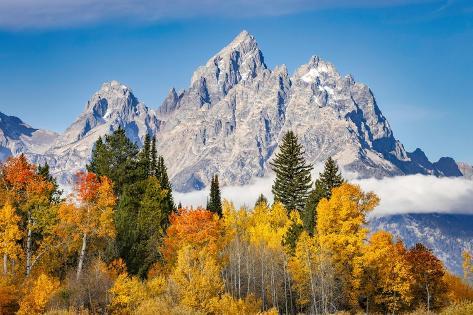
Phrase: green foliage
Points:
(328, 179)
(116, 158)
(55, 194)
(141, 219)
(292, 184)
(215, 203)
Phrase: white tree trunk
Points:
(81, 256)
(28, 246)
(5, 264)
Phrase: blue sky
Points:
(415, 55)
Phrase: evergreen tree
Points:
(56, 193)
(328, 179)
(179, 206)
(292, 184)
(141, 220)
(116, 158)
(215, 202)
(145, 156)
(154, 162)
(261, 199)
(162, 176)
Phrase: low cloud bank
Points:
(399, 195)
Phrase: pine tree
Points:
(292, 184)
(145, 157)
(215, 202)
(56, 193)
(261, 199)
(116, 157)
(154, 162)
(328, 179)
(162, 176)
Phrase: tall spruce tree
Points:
(154, 161)
(328, 179)
(261, 200)
(292, 184)
(214, 203)
(117, 158)
(56, 193)
(162, 175)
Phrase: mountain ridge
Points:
(230, 119)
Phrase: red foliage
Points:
(87, 186)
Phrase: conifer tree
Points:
(328, 179)
(43, 171)
(261, 199)
(145, 157)
(215, 202)
(292, 184)
(116, 157)
(154, 162)
(162, 176)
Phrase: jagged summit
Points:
(230, 119)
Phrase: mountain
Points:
(17, 137)
(230, 120)
(448, 235)
(114, 105)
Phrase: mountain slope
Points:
(113, 106)
(230, 119)
(448, 235)
(17, 137)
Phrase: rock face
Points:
(113, 106)
(448, 235)
(229, 121)
(17, 137)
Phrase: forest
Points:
(119, 244)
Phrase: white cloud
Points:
(401, 194)
(21, 14)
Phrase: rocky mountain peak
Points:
(240, 60)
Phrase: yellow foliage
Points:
(127, 294)
(302, 267)
(463, 308)
(227, 304)
(10, 232)
(458, 290)
(383, 275)
(468, 266)
(341, 228)
(38, 294)
(197, 277)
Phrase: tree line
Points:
(119, 245)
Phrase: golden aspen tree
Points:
(30, 193)
(38, 295)
(93, 217)
(467, 266)
(341, 229)
(383, 275)
(197, 277)
(10, 234)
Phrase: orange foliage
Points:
(458, 290)
(87, 186)
(24, 184)
(198, 228)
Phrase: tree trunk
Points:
(81, 256)
(428, 297)
(5, 264)
(28, 246)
